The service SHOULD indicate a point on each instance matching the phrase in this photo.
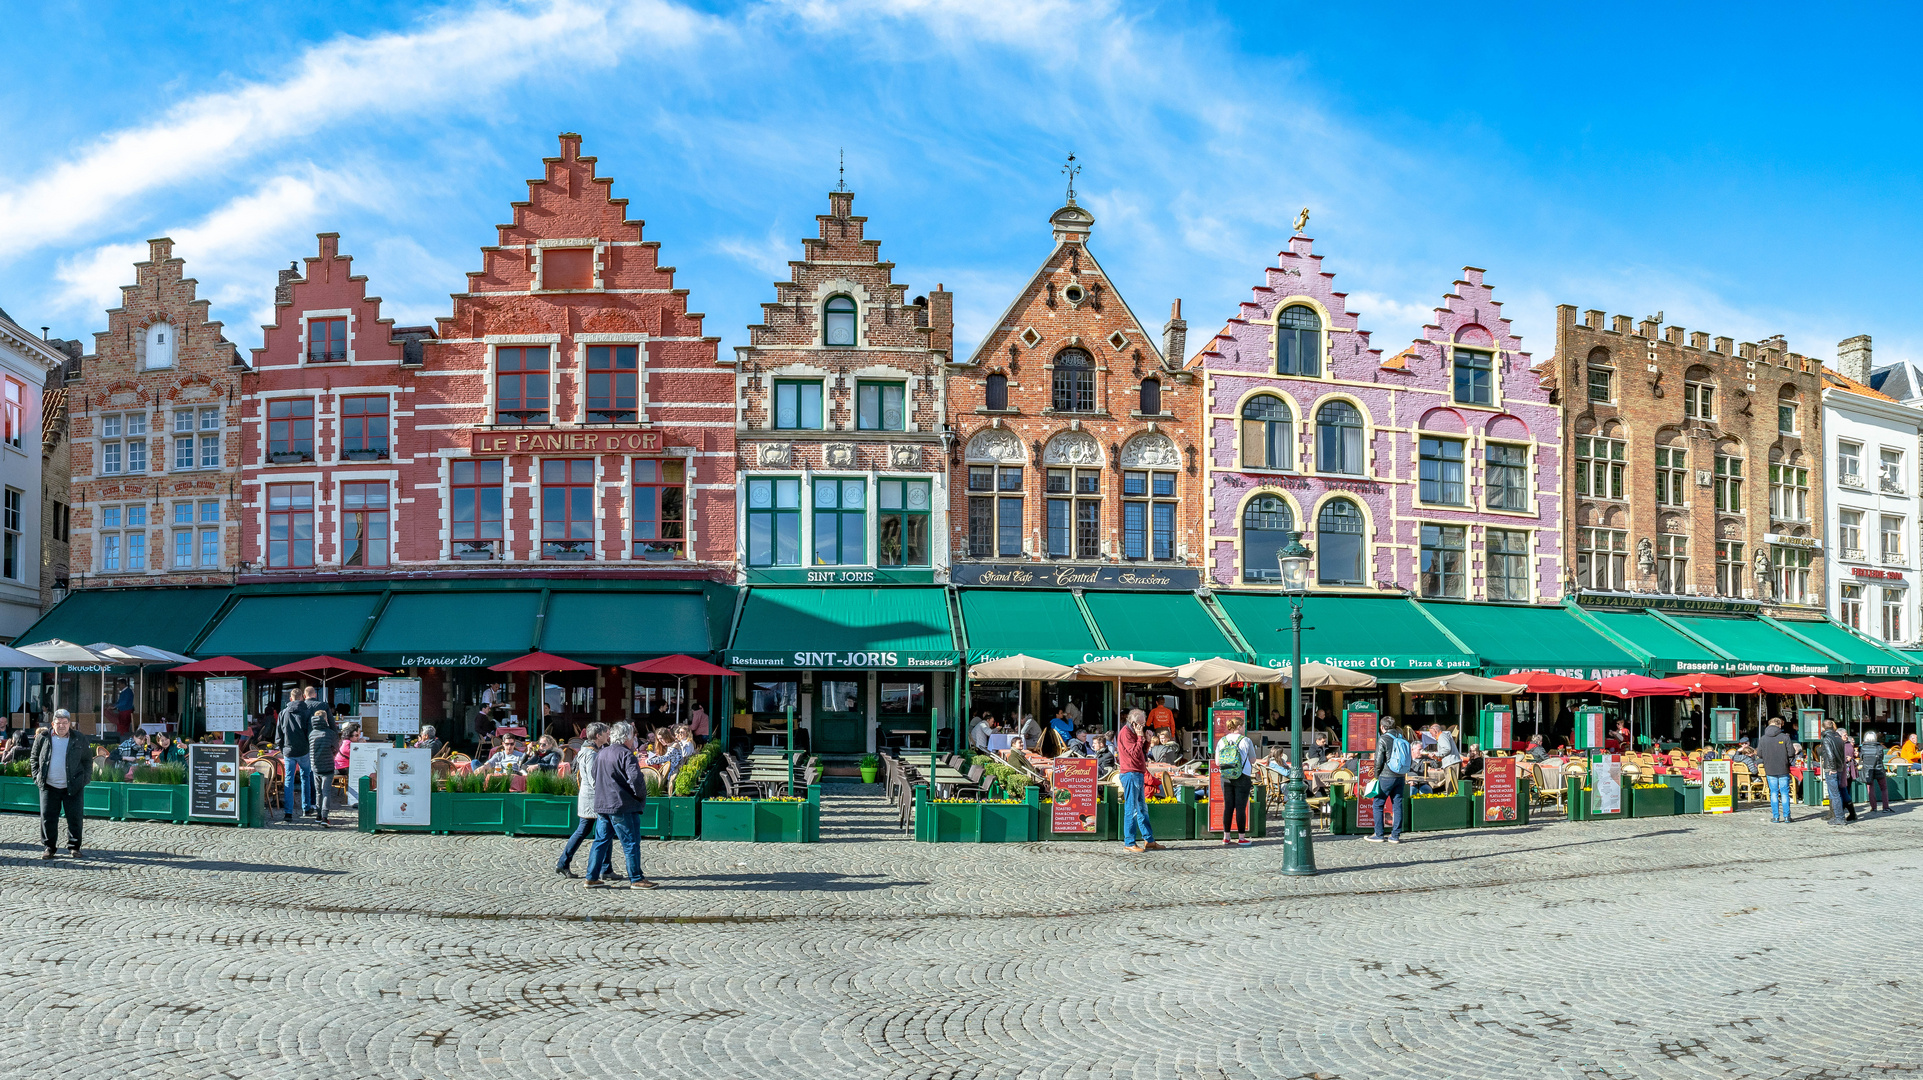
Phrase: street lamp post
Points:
(1298, 856)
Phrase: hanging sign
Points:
(226, 704)
(1220, 719)
(1499, 788)
(1498, 727)
(550, 440)
(400, 706)
(1359, 728)
(213, 781)
(1719, 788)
(403, 781)
(1809, 725)
(1075, 783)
(1606, 785)
(1589, 729)
(1722, 725)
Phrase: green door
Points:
(841, 713)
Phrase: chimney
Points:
(1175, 337)
(1853, 358)
(941, 319)
(284, 288)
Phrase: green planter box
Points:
(544, 815)
(1171, 820)
(1660, 801)
(1108, 819)
(19, 794)
(1522, 812)
(1913, 785)
(975, 822)
(457, 812)
(154, 802)
(140, 802)
(763, 820)
(671, 818)
(1258, 817)
(1811, 790)
(1345, 816)
(1436, 813)
(1692, 794)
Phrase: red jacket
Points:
(1131, 750)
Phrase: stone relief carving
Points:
(775, 456)
(1073, 448)
(1150, 451)
(1645, 556)
(838, 455)
(995, 445)
(902, 456)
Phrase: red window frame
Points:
(290, 515)
(16, 398)
(364, 424)
(364, 523)
(567, 508)
(290, 426)
(326, 340)
(614, 383)
(521, 384)
(660, 509)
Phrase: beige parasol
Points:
(1021, 667)
(1216, 671)
(1327, 676)
(1462, 683)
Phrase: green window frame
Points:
(840, 521)
(879, 406)
(902, 523)
(797, 405)
(774, 521)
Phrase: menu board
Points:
(1220, 720)
(1589, 729)
(1722, 725)
(1076, 786)
(213, 781)
(1606, 784)
(1719, 789)
(1365, 807)
(400, 708)
(1498, 726)
(1499, 789)
(403, 782)
(1359, 730)
(226, 704)
(1809, 725)
(363, 758)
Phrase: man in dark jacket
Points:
(62, 762)
(1834, 756)
(620, 794)
(296, 753)
(1778, 752)
(1876, 777)
(323, 742)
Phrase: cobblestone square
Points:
(1686, 947)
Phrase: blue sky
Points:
(1747, 176)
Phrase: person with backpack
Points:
(295, 753)
(1875, 776)
(1394, 759)
(1235, 759)
(1778, 753)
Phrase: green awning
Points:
(1864, 657)
(271, 629)
(1045, 623)
(1669, 651)
(1759, 648)
(852, 628)
(1157, 627)
(620, 627)
(163, 618)
(453, 629)
(1515, 637)
(1389, 638)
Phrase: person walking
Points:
(323, 742)
(1778, 752)
(1849, 774)
(296, 753)
(1394, 758)
(61, 765)
(1835, 757)
(1235, 760)
(620, 794)
(1131, 756)
(1876, 778)
(592, 740)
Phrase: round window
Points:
(1074, 294)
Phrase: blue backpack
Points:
(1401, 758)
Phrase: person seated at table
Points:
(508, 759)
(1472, 762)
(979, 733)
(657, 744)
(1103, 754)
(1165, 749)
(16, 748)
(1908, 751)
(165, 751)
(676, 752)
(546, 754)
(429, 741)
(1031, 731)
(1318, 751)
(135, 747)
(1536, 750)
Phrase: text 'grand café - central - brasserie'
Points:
(850, 515)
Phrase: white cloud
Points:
(453, 61)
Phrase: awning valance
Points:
(170, 619)
(1863, 656)
(274, 628)
(1663, 649)
(1166, 628)
(1754, 646)
(1513, 637)
(1389, 638)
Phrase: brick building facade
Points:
(1076, 439)
(839, 420)
(155, 451)
(1695, 466)
(1434, 471)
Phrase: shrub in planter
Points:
(17, 768)
(543, 782)
(165, 773)
(1431, 813)
(870, 768)
(476, 784)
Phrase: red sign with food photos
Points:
(1365, 807)
(1220, 718)
(1499, 789)
(1076, 786)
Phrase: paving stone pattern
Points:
(1679, 948)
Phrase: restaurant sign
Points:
(1724, 605)
(878, 660)
(570, 440)
(1046, 576)
(1376, 663)
(839, 575)
(1075, 787)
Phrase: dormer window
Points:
(160, 346)
(326, 341)
(838, 322)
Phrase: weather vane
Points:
(1071, 169)
(1302, 220)
(841, 173)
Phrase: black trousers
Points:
(1235, 804)
(53, 801)
(323, 788)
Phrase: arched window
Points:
(997, 392)
(838, 322)
(1338, 543)
(1151, 397)
(1338, 439)
(1266, 525)
(1268, 434)
(160, 346)
(1074, 381)
(1298, 341)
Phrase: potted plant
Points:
(287, 457)
(870, 768)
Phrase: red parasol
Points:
(1542, 682)
(677, 664)
(325, 668)
(541, 662)
(218, 665)
(1716, 684)
(1633, 686)
(1894, 690)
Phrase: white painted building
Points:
(25, 360)
(1874, 501)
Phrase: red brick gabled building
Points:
(155, 442)
(1076, 435)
